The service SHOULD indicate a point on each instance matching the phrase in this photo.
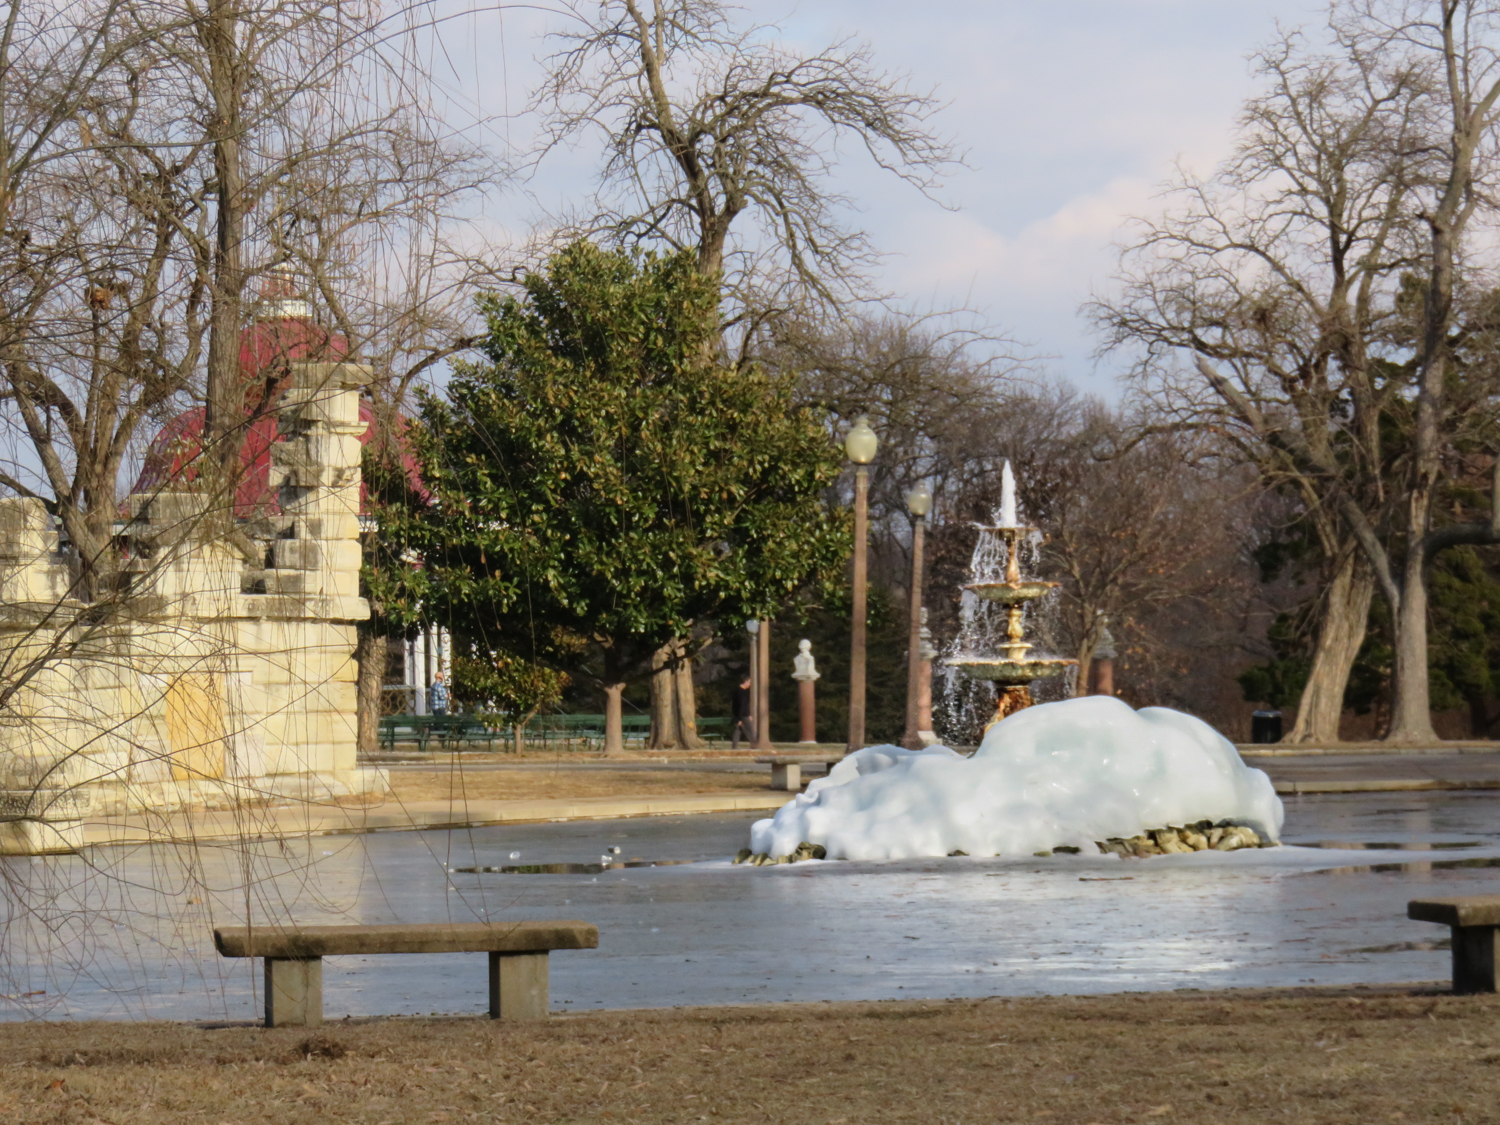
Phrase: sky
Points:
(1072, 114)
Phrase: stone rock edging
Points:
(1202, 836)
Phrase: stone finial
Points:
(803, 662)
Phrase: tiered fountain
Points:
(1014, 670)
(1079, 776)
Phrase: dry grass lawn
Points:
(1245, 1058)
(524, 784)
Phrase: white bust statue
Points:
(803, 662)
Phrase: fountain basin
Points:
(1009, 671)
(1012, 592)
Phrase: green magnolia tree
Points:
(602, 484)
(507, 689)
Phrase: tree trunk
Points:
(1340, 635)
(687, 701)
(614, 734)
(1411, 709)
(518, 731)
(663, 699)
(1479, 717)
(369, 654)
(218, 32)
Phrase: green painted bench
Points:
(443, 729)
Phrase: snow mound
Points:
(1058, 774)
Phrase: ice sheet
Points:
(1058, 774)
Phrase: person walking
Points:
(437, 696)
(742, 711)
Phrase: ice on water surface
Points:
(1057, 774)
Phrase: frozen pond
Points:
(127, 932)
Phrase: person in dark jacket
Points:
(742, 711)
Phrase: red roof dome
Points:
(284, 333)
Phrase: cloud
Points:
(1072, 114)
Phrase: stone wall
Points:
(220, 672)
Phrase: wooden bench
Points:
(786, 769)
(294, 959)
(1475, 922)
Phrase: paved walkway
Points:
(1307, 773)
(1363, 772)
(393, 816)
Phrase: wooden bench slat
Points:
(1469, 910)
(429, 937)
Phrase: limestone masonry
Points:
(222, 674)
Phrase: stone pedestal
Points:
(518, 986)
(808, 704)
(1476, 959)
(806, 674)
(294, 992)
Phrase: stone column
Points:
(806, 674)
(419, 673)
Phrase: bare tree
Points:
(1282, 277)
(1132, 534)
(1455, 44)
(934, 386)
(705, 121)
(115, 274)
(148, 225)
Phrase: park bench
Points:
(445, 729)
(583, 728)
(1475, 923)
(715, 730)
(294, 959)
(786, 769)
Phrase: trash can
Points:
(1265, 726)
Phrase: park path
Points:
(1354, 771)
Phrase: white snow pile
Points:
(1057, 774)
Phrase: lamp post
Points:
(860, 445)
(924, 700)
(763, 689)
(919, 503)
(753, 628)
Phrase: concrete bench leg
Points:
(1475, 950)
(294, 992)
(518, 986)
(788, 777)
